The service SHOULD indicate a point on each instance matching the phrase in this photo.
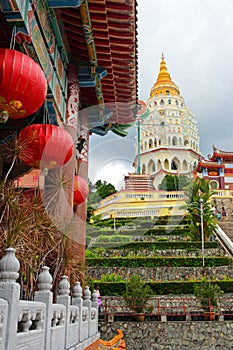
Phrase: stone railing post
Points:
(63, 298)
(77, 296)
(44, 294)
(94, 304)
(87, 303)
(77, 300)
(94, 298)
(10, 291)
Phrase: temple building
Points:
(168, 141)
(218, 169)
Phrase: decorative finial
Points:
(162, 56)
(45, 280)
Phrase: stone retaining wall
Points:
(162, 273)
(172, 335)
(166, 252)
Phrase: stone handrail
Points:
(70, 323)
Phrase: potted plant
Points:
(136, 296)
(209, 295)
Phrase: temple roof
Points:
(217, 153)
(164, 82)
(113, 25)
(98, 36)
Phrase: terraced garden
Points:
(160, 251)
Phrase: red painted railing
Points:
(169, 307)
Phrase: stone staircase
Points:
(227, 225)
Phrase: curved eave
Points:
(114, 31)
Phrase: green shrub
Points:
(208, 292)
(159, 261)
(160, 244)
(137, 294)
(112, 277)
(162, 288)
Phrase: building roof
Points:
(100, 37)
(217, 153)
(112, 26)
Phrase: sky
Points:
(196, 39)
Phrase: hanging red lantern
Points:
(23, 86)
(45, 146)
(81, 189)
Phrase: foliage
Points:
(174, 183)
(208, 293)
(197, 191)
(111, 277)
(159, 261)
(137, 294)
(162, 288)
(90, 211)
(90, 254)
(113, 238)
(25, 226)
(99, 191)
(160, 244)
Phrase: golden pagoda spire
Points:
(164, 84)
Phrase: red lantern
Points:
(80, 190)
(23, 85)
(45, 146)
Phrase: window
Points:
(174, 165)
(161, 102)
(169, 102)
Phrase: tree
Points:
(99, 191)
(174, 183)
(105, 189)
(196, 191)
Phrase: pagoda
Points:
(168, 141)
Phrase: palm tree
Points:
(198, 195)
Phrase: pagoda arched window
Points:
(169, 101)
(155, 142)
(166, 164)
(151, 166)
(177, 103)
(159, 165)
(161, 102)
(185, 165)
(150, 143)
(145, 145)
(167, 92)
(175, 164)
(155, 103)
(174, 141)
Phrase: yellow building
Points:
(140, 199)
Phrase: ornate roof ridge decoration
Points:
(164, 84)
(220, 153)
